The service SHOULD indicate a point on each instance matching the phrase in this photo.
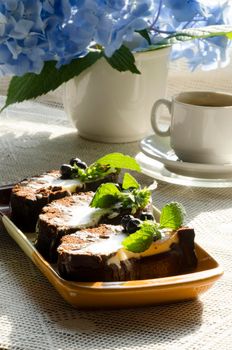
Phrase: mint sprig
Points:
(172, 217)
(119, 160)
(109, 164)
(94, 172)
(142, 239)
(129, 182)
(108, 195)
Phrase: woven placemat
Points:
(34, 316)
(35, 137)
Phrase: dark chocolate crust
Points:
(79, 266)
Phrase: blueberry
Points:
(146, 216)
(125, 220)
(133, 225)
(81, 165)
(78, 162)
(74, 161)
(66, 171)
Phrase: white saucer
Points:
(158, 148)
(158, 171)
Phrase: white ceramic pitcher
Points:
(110, 106)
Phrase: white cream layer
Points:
(160, 246)
(113, 245)
(79, 216)
(104, 246)
(47, 180)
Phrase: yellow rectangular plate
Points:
(119, 294)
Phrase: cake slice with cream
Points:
(104, 254)
(65, 216)
(32, 194)
(85, 210)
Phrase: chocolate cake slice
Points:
(69, 214)
(97, 254)
(31, 195)
(65, 216)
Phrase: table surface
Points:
(35, 137)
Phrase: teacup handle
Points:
(154, 116)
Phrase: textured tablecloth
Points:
(35, 137)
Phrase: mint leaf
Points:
(33, 85)
(172, 216)
(138, 242)
(119, 160)
(142, 239)
(96, 172)
(105, 196)
(152, 227)
(141, 198)
(108, 195)
(109, 164)
(123, 60)
(129, 182)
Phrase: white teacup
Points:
(201, 126)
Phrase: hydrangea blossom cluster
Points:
(33, 32)
(208, 52)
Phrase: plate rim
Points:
(155, 283)
(178, 179)
(200, 167)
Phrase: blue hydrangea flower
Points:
(22, 39)
(75, 26)
(185, 10)
(207, 53)
(35, 31)
(133, 17)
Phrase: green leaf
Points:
(208, 31)
(33, 85)
(129, 182)
(106, 195)
(119, 160)
(123, 60)
(142, 197)
(198, 33)
(145, 35)
(191, 34)
(172, 216)
(138, 242)
(142, 239)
